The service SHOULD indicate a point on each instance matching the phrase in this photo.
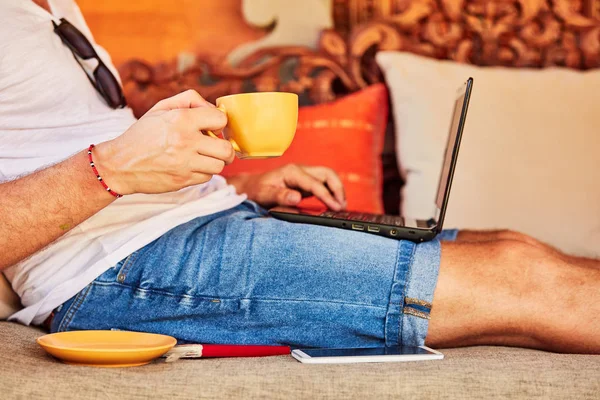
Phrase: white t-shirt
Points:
(50, 111)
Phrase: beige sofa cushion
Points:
(471, 373)
(529, 154)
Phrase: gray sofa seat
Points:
(475, 372)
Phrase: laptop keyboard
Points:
(365, 217)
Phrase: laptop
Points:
(397, 227)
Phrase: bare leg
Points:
(486, 236)
(509, 292)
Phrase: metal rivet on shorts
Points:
(121, 278)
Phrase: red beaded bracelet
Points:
(117, 195)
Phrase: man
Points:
(183, 253)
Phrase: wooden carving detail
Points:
(518, 33)
(319, 76)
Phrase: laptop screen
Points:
(451, 153)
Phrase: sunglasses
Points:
(103, 80)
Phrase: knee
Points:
(525, 254)
(508, 234)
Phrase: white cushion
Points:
(530, 155)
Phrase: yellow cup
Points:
(260, 125)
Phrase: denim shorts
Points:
(241, 277)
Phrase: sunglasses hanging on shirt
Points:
(101, 78)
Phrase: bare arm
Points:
(164, 151)
(39, 208)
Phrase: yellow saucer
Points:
(109, 349)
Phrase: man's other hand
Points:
(286, 186)
(165, 150)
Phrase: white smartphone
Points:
(364, 355)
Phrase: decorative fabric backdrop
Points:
(514, 33)
(520, 33)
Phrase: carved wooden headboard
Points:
(513, 33)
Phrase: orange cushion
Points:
(345, 135)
